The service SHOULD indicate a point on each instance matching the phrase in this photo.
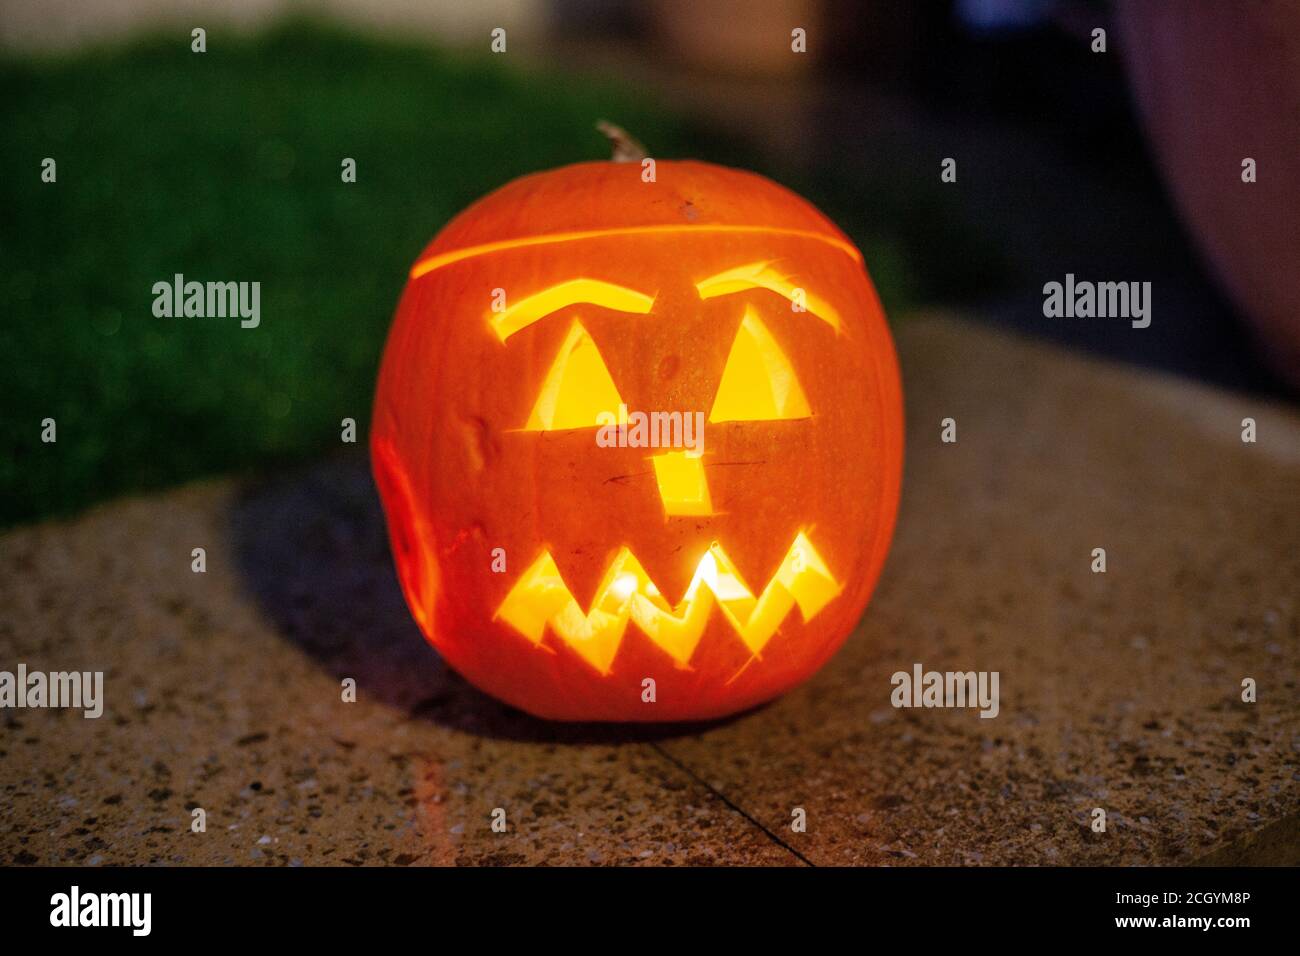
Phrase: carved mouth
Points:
(540, 598)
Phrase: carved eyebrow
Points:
(539, 305)
(762, 275)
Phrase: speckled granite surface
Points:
(1119, 690)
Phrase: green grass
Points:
(225, 166)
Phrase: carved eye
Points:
(577, 388)
(758, 382)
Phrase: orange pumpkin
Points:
(586, 580)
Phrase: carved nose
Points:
(683, 487)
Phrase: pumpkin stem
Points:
(626, 149)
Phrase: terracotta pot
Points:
(740, 37)
(1217, 83)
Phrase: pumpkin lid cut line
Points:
(437, 261)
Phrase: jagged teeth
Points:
(541, 598)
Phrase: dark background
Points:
(225, 165)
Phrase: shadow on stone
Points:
(312, 549)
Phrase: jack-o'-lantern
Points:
(562, 536)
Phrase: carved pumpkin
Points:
(580, 580)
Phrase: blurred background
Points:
(1123, 165)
